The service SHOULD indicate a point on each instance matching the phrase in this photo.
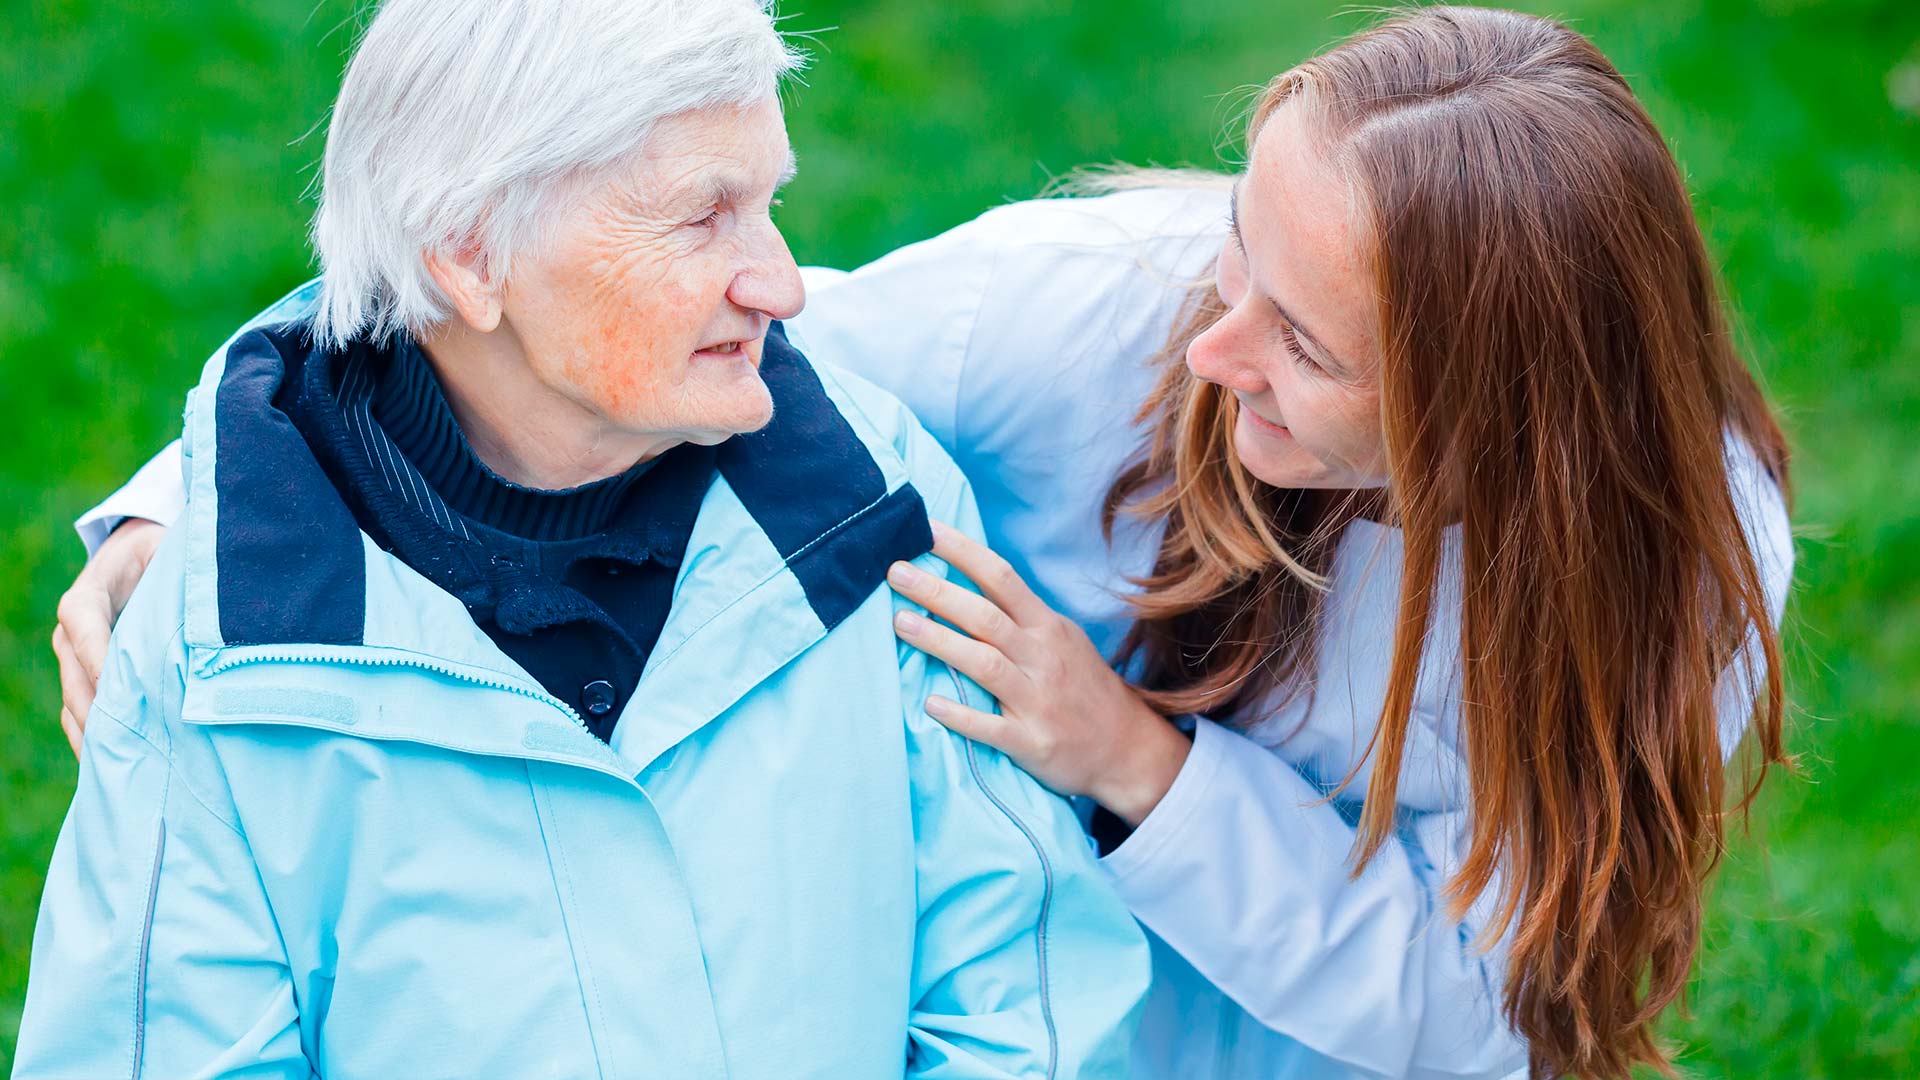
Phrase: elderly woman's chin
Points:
(749, 408)
(717, 398)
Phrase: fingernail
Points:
(938, 528)
(938, 707)
(905, 575)
(908, 623)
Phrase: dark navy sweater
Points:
(573, 585)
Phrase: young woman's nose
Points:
(1225, 355)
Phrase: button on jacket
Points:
(323, 826)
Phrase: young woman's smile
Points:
(1260, 424)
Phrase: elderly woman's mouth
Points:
(723, 349)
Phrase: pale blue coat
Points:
(323, 826)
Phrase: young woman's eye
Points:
(1292, 342)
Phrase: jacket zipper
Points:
(351, 657)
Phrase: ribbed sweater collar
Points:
(410, 404)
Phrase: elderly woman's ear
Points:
(462, 276)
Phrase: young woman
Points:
(1437, 528)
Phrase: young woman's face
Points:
(1298, 345)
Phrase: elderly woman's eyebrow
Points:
(733, 189)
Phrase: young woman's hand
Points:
(88, 611)
(1064, 715)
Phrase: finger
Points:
(955, 603)
(86, 616)
(123, 560)
(995, 575)
(976, 660)
(76, 686)
(964, 720)
(72, 727)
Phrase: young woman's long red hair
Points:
(1557, 381)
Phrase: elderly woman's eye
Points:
(711, 219)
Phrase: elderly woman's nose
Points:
(771, 281)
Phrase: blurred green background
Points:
(152, 173)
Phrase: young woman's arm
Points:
(1236, 860)
(1244, 871)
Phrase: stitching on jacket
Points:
(785, 567)
(146, 935)
(1046, 893)
(167, 757)
(598, 1025)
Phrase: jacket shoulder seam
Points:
(950, 469)
(846, 402)
(166, 754)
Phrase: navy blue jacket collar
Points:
(291, 559)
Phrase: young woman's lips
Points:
(1261, 423)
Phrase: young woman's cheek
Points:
(1316, 417)
(1357, 437)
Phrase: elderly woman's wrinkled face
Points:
(649, 307)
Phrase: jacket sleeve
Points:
(1026, 963)
(1243, 870)
(155, 954)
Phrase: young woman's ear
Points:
(462, 276)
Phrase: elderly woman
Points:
(519, 695)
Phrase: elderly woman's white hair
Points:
(466, 123)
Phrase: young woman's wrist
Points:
(1147, 760)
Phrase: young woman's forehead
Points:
(1295, 214)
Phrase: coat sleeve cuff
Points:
(1133, 862)
(157, 493)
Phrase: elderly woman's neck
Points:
(523, 429)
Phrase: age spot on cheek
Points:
(625, 378)
(637, 346)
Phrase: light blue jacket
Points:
(323, 826)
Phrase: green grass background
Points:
(152, 172)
